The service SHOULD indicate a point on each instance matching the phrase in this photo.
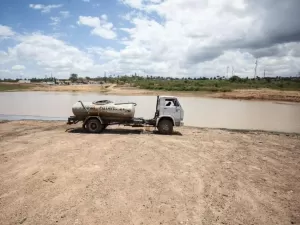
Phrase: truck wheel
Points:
(165, 126)
(94, 126)
(84, 127)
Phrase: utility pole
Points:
(264, 73)
(227, 71)
(232, 71)
(255, 70)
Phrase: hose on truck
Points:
(84, 107)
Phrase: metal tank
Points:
(105, 109)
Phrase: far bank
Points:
(265, 94)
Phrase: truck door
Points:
(172, 108)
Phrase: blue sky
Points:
(20, 17)
(154, 37)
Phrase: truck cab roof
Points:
(164, 96)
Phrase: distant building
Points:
(24, 81)
(50, 83)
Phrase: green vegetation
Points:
(217, 84)
(73, 77)
(13, 87)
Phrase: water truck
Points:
(96, 116)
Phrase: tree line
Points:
(212, 84)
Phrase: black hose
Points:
(83, 106)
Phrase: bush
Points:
(280, 85)
(225, 90)
(235, 79)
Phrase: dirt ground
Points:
(51, 175)
(243, 94)
(260, 94)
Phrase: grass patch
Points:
(216, 85)
(13, 87)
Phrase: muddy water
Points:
(201, 112)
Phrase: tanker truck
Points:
(96, 116)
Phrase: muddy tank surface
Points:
(104, 109)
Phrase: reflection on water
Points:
(201, 112)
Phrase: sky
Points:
(177, 38)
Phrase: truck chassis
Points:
(96, 124)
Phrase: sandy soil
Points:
(111, 89)
(261, 94)
(197, 176)
(75, 88)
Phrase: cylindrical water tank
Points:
(104, 109)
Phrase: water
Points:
(200, 112)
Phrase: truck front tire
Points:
(165, 126)
(94, 126)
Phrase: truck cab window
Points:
(170, 102)
(176, 103)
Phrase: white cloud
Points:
(101, 27)
(49, 52)
(2, 54)
(6, 31)
(65, 14)
(104, 53)
(44, 8)
(4, 58)
(104, 17)
(133, 3)
(5, 73)
(18, 67)
(86, 0)
(197, 38)
(132, 14)
(54, 21)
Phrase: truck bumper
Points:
(72, 120)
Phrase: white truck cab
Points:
(168, 109)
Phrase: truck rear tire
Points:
(165, 126)
(94, 126)
(84, 127)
